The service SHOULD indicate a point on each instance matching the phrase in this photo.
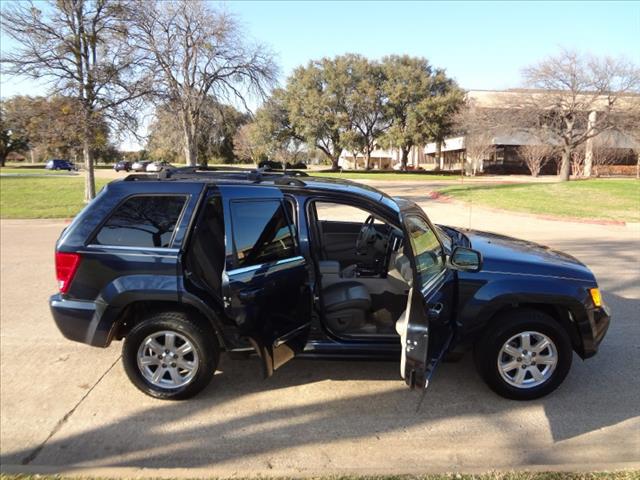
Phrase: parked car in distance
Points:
(58, 164)
(140, 166)
(296, 166)
(122, 165)
(270, 164)
(409, 168)
(158, 166)
(185, 265)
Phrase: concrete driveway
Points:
(70, 406)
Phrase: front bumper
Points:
(593, 333)
(78, 321)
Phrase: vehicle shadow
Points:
(313, 402)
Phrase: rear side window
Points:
(142, 221)
(261, 232)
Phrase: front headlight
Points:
(596, 297)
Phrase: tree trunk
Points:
(33, 156)
(334, 163)
(535, 170)
(588, 159)
(3, 159)
(588, 154)
(189, 131)
(438, 156)
(190, 154)
(471, 165)
(404, 159)
(565, 165)
(89, 179)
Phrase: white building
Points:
(504, 157)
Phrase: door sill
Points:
(381, 337)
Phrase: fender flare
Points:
(125, 291)
(510, 292)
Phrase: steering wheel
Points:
(366, 236)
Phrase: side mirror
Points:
(466, 259)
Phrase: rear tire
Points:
(525, 355)
(170, 356)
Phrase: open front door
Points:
(427, 326)
(266, 281)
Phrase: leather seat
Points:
(346, 295)
(346, 305)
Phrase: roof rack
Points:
(285, 177)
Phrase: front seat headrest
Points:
(403, 265)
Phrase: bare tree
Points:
(606, 153)
(575, 99)
(197, 53)
(80, 47)
(245, 147)
(577, 161)
(479, 127)
(479, 147)
(536, 156)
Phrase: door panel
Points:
(271, 304)
(266, 283)
(428, 327)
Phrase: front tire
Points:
(170, 356)
(525, 355)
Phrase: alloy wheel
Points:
(527, 359)
(167, 359)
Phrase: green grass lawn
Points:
(395, 176)
(42, 197)
(613, 199)
(609, 199)
(32, 171)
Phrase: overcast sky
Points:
(483, 45)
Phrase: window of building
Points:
(143, 221)
(262, 232)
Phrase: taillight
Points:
(66, 266)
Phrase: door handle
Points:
(249, 294)
(436, 310)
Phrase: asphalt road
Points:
(67, 406)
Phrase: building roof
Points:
(515, 97)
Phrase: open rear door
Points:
(266, 281)
(426, 328)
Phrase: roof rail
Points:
(285, 177)
(280, 177)
(285, 180)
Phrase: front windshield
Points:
(426, 249)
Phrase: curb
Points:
(437, 196)
(80, 471)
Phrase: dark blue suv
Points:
(188, 264)
(57, 164)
